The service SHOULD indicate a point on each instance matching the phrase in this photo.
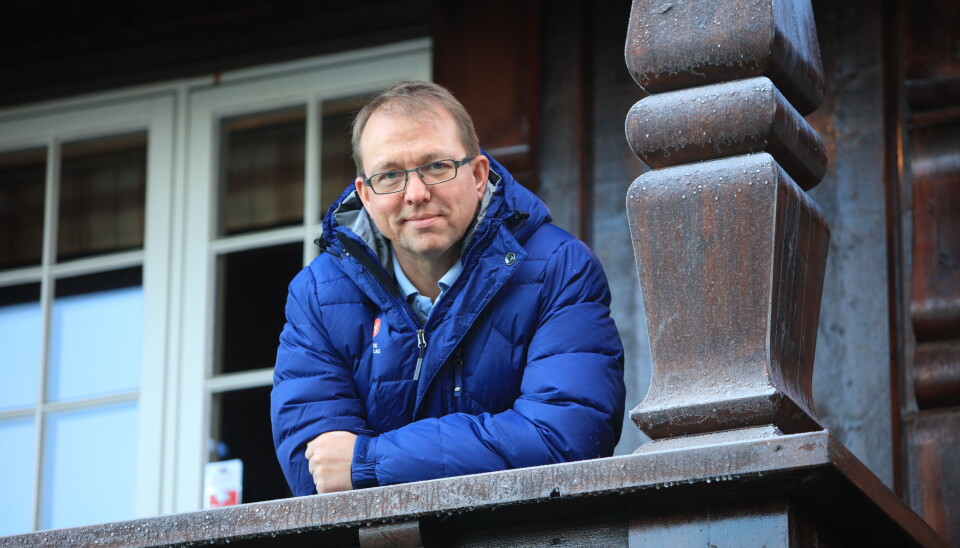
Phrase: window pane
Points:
(242, 431)
(252, 293)
(102, 192)
(19, 345)
(96, 334)
(22, 182)
(262, 170)
(337, 170)
(17, 468)
(89, 466)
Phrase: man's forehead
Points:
(394, 149)
(419, 159)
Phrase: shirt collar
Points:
(408, 288)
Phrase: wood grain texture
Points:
(933, 446)
(931, 158)
(685, 43)
(937, 374)
(935, 305)
(403, 534)
(727, 119)
(731, 255)
(500, 85)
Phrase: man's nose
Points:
(416, 191)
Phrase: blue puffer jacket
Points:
(520, 363)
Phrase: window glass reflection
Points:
(89, 466)
(241, 430)
(252, 293)
(262, 170)
(96, 335)
(102, 194)
(22, 183)
(17, 438)
(20, 330)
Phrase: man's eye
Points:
(391, 175)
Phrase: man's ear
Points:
(362, 190)
(481, 172)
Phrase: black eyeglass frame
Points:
(457, 164)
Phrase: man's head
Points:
(409, 125)
(412, 100)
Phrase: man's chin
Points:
(426, 247)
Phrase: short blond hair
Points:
(411, 99)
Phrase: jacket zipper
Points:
(458, 380)
(422, 345)
(421, 334)
(404, 306)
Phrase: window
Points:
(277, 156)
(147, 238)
(73, 252)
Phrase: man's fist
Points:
(330, 456)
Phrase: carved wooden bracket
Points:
(405, 534)
(935, 299)
(681, 44)
(731, 251)
(722, 120)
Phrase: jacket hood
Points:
(505, 201)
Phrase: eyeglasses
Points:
(432, 173)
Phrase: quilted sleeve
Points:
(313, 389)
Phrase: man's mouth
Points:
(422, 220)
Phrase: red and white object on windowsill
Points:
(223, 483)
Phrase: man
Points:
(448, 328)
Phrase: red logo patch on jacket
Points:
(376, 326)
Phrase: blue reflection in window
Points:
(89, 466)
(95, 344)
(17, 468)
(19, 354)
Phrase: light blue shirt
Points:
(421, 304)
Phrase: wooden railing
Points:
(787, 490)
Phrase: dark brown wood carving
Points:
(931, 418)
(936, 258)
(401, 534)
(730, 249)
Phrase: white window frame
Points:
(49, 127)
(180, 243)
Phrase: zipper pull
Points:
(458, 374)
(422, 345)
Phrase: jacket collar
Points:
(504, 199)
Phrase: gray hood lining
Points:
(353, 216)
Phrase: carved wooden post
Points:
(931, 418)
(730, 249)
